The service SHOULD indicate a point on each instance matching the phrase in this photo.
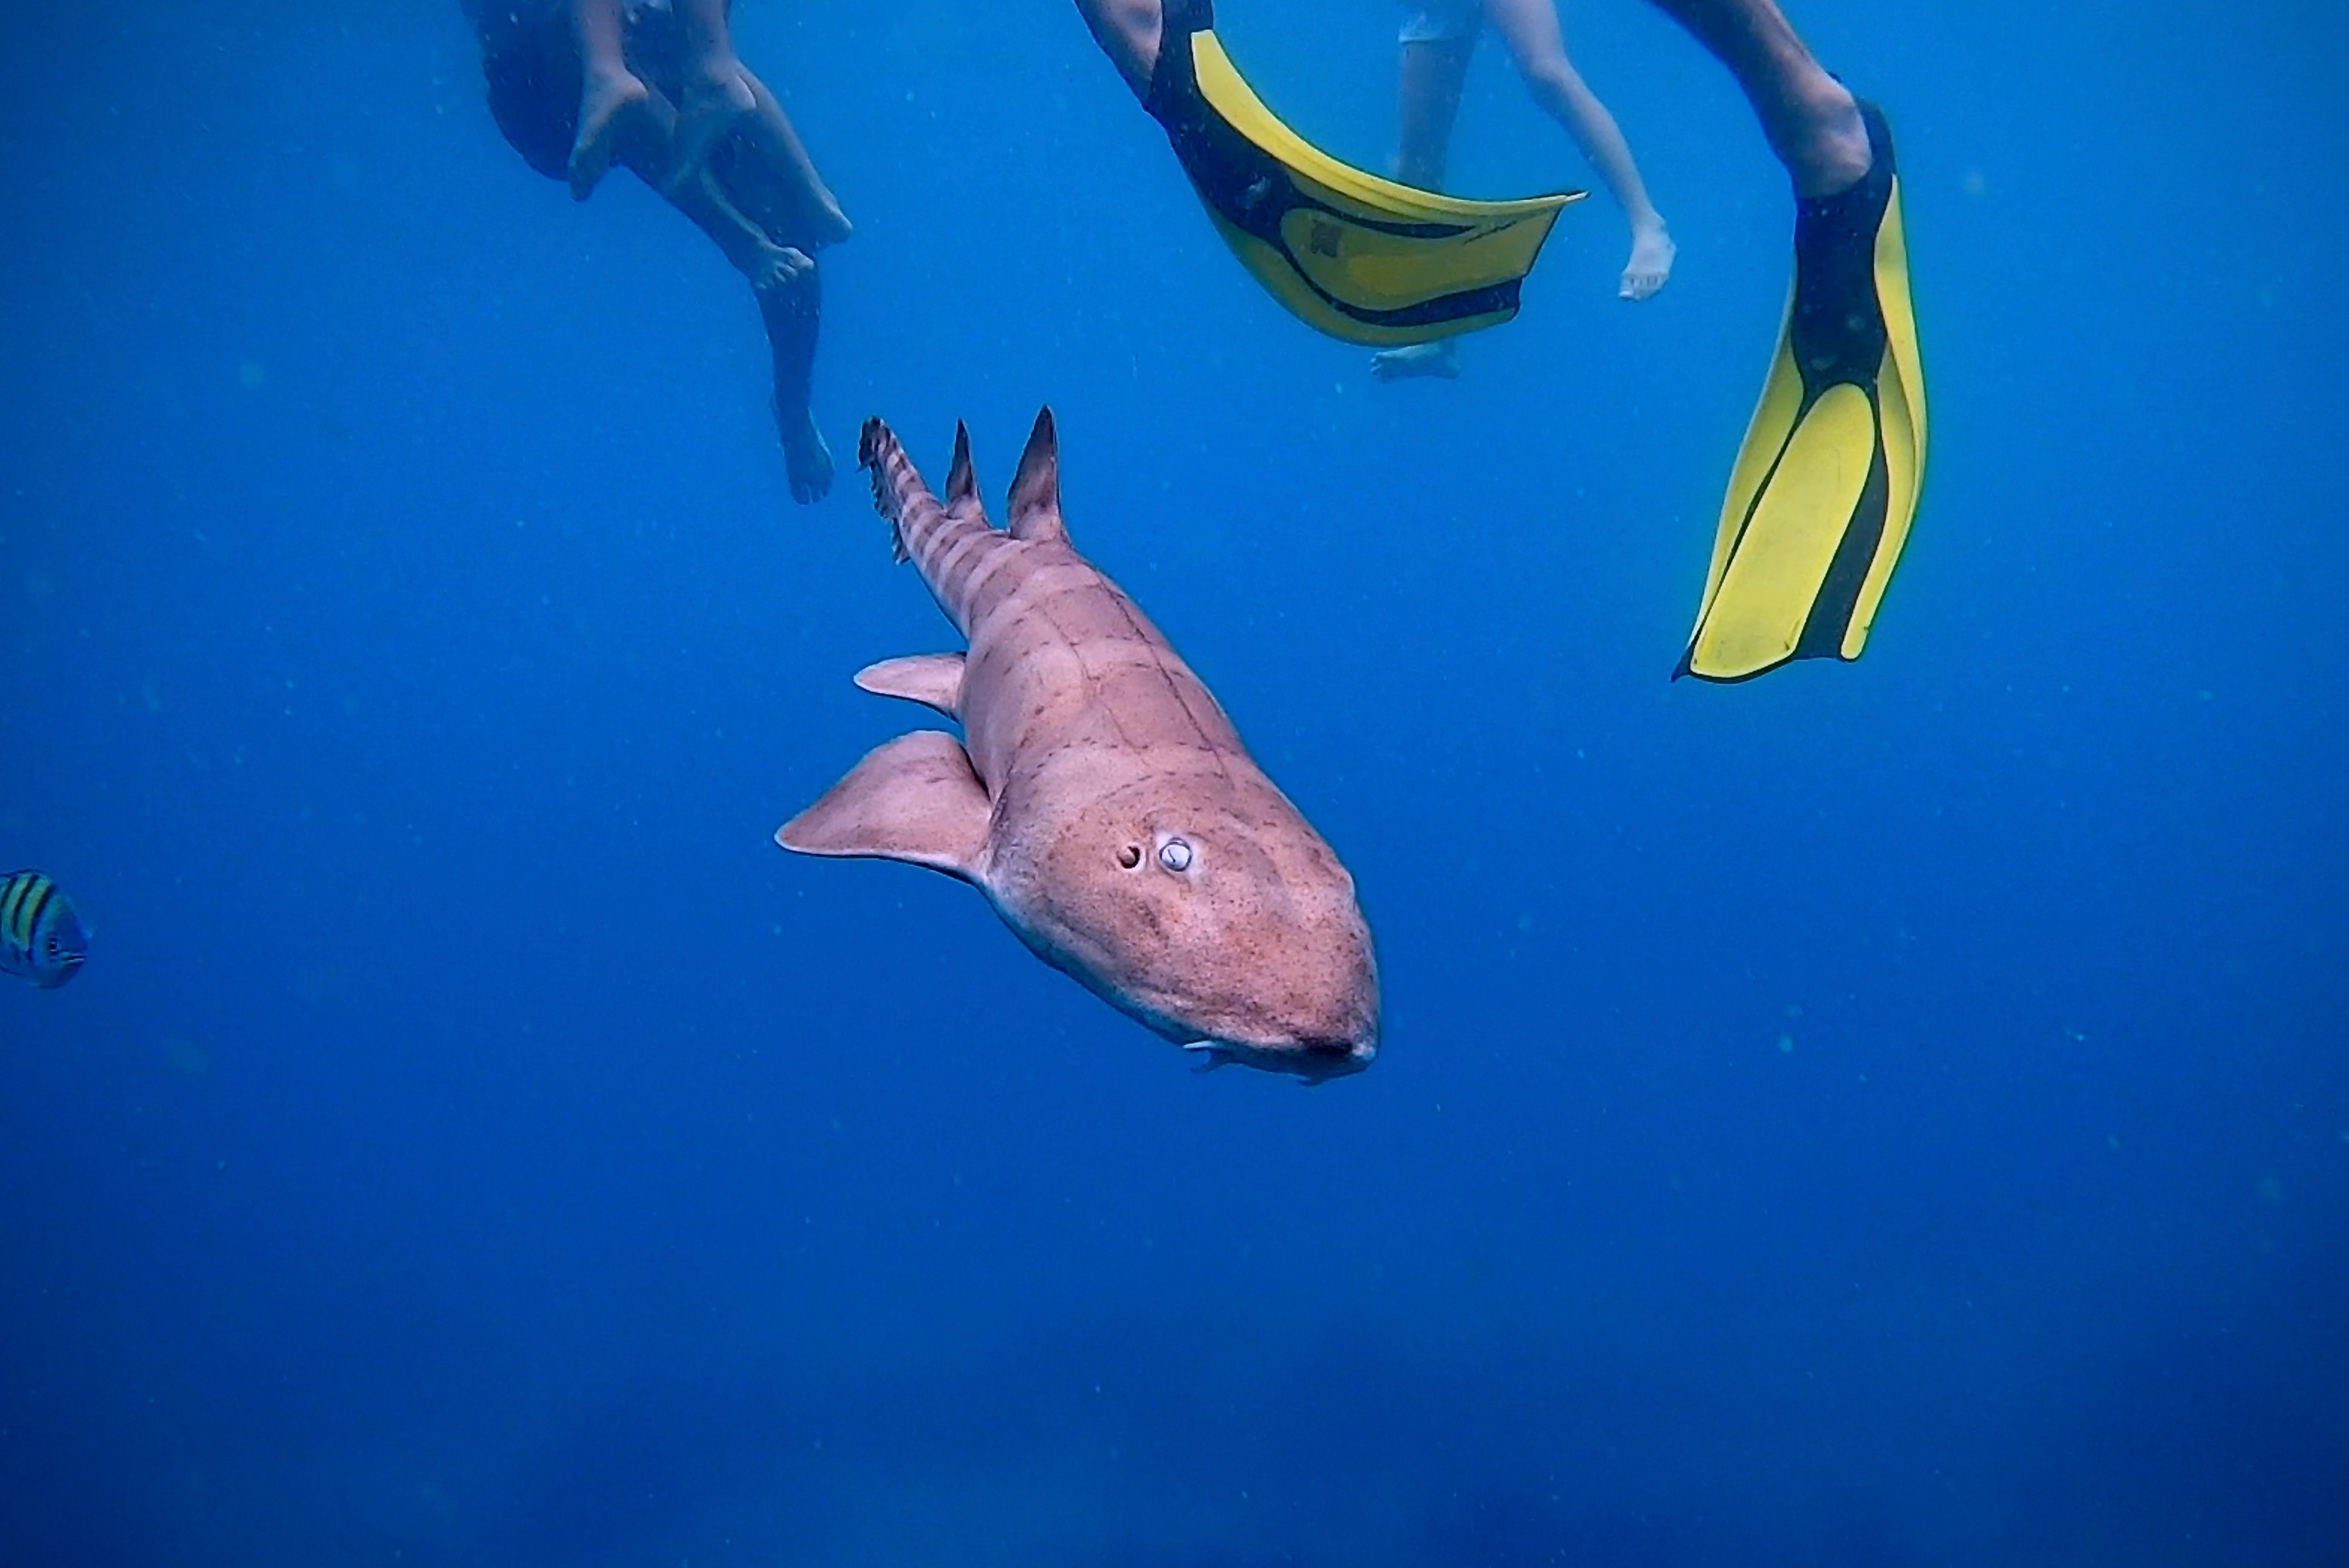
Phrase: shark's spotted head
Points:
(1219, 918)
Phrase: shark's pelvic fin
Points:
(914, 799)
(934, 680)
(1036, 488)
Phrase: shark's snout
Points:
(1336, 1058)
(1300, 999)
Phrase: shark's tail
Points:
(924, 530)
(897, 489)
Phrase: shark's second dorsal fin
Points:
(1036, 488)
(962, 479)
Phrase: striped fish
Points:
(41, 938)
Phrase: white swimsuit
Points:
(1443, 21)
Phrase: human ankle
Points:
(1826, 150)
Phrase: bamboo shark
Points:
(1101, 799)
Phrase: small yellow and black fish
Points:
(41, 937)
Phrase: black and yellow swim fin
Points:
(1362, 258)
(1826, 485)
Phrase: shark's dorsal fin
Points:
(1036, 488)
(962, 479)
(914, 799)
(934, 680)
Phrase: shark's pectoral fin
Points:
(934, 680)
(1036, 487)
(914, 799)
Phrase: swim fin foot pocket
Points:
(1826, 485)
(1362, 258)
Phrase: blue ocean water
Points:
(1884, 1114)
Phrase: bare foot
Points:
(1440, 358)
(1651, 262)
(716, 99)
(807, 461)
(609, 103)
(771, 265)
(826, 223)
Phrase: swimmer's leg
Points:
(746, 246)
(1811, 119)
(1429, 81)
(1128, 32)
(816, 218)
(610, 97)
(1823, 491)
(1538, 49)
(717, 95)
(792, 312)
(1431, 71)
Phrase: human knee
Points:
(1551, 80)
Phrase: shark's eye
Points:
(1130, 857)
(1175, 854)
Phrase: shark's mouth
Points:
(1309, 1062)
(1212, 1031)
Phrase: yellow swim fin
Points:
(1826, 485)
(1363, 259)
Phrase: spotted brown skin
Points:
(1100, 797)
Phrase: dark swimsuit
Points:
(533, 79)
(530, 67)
